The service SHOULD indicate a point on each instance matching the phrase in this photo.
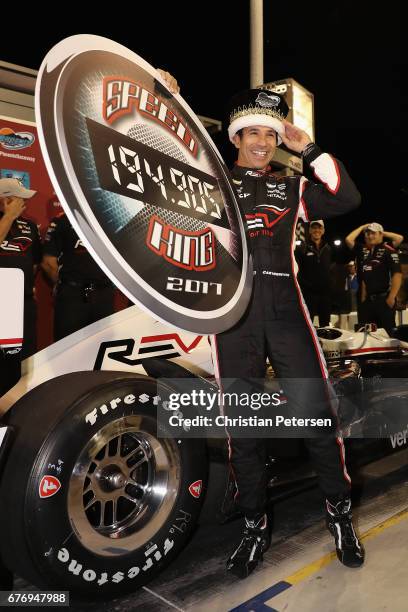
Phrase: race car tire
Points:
(94, 501)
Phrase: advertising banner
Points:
(21, 158)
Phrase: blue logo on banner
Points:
(15, 140)
(23, 177)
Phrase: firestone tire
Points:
(93, 501)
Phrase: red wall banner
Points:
(20, 157)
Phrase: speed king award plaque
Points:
(142, 184)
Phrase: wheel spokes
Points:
(127, 454)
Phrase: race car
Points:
(93, 500)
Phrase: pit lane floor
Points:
(300, 571)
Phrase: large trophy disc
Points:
(142, 184)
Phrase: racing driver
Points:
(277, 324)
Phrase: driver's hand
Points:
(294, 138)
(169, 80)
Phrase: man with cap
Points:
(314, 258)
(276, 324)
(379, 273)
(392, 237)
(20, 247)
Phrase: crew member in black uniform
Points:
(314, 258)
(390, 237)
(378, 273)
(277, 325)
(20, 247)
(83, 293)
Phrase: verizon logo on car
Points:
(400, 438)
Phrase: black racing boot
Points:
(256, 539)
(349, 549)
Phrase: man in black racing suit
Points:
(276, 324)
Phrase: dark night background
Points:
(352, 57)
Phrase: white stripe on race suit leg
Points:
(355, 537)
(338, 531)
(217, 373)
(251, 556)
(3, 431)
(315, 340)
(237, 549)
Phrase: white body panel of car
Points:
(121, 341)
(118, 342)
(358, 344)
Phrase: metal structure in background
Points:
(256, 43)
(299, 99)
(301, 113)
(17, 85)
(211, 125)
